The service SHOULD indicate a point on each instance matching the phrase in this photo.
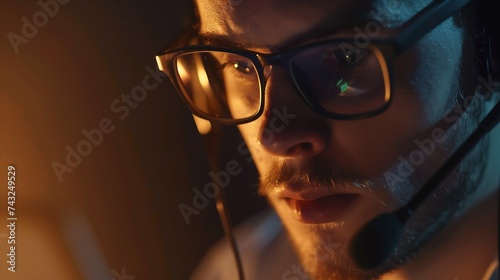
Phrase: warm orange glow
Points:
(202, 125)
(159, 63)
(385, 72)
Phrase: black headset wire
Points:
(212, 143)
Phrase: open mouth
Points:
(324, 209)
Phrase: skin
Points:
(315, 153)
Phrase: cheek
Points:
(430, 70)
(424, 89)
(371, 146)
(249, 132)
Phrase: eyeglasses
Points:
(339, 78)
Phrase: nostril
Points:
(304, 147)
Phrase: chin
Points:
(323, 247)
(325, 256)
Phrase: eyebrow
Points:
(221, 40)
(214, 39)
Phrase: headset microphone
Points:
(376, 241)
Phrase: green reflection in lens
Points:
(343, 86)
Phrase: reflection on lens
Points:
(219, 84)
(342, 79)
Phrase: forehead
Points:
(272, 24)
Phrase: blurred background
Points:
(114, 213)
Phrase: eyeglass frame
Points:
(390, 44)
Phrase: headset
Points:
(377, 240)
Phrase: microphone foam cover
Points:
(376, 241)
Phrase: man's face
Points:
(327, 178)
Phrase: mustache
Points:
(313, 173)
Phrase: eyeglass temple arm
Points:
(211, 140)
(424, 21)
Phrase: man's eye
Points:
(239, 70)
(242, 67)
(344, 56)
(349, 57)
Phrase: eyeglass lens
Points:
(342, 79)
(336, 77)
(219, 84)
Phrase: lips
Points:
(318, 206)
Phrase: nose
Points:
(289, 127)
